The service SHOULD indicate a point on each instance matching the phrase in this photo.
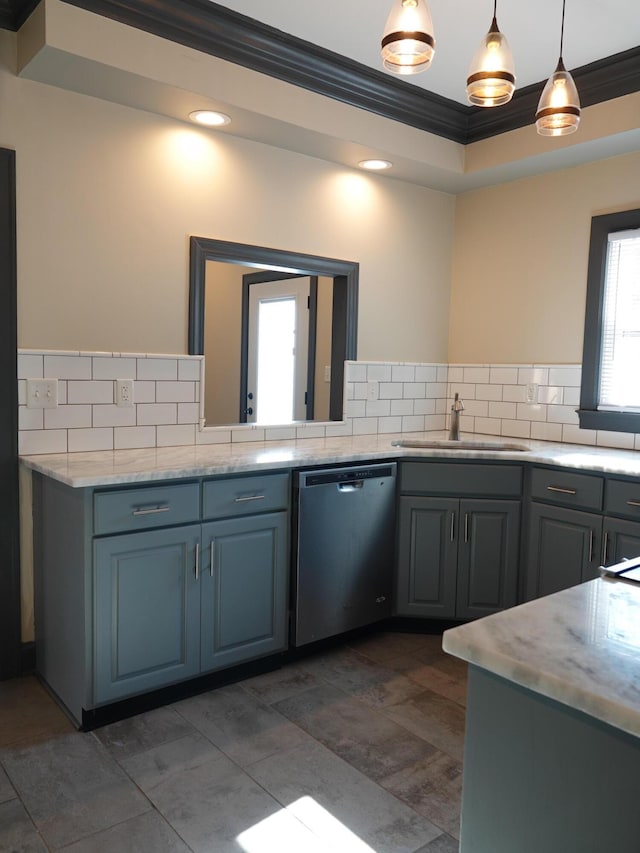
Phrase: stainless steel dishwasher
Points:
(345, 533)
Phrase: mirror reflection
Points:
(275, 329)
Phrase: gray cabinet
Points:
(457, 556)
(131, 598)
(244, 589)
(621, 540)
(563, 548)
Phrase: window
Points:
(610, 395)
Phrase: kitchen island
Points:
(552, 755)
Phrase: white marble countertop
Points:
(101, 468)
(580, 647)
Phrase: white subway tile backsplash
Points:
(67, 366)
(406, 397)
(189, 369)
(175, 392)
(402, 407)
(90, 391)
(546, 431)
(113, 368)
(390, 390)
(30, 366)
(152, 414)
(413, 390)
(158, 368)
(564, 376)
(112, 416)
(90, 439)
(70, 417)
(503, 376)
(132, 438)
(379, 373)
(403, 373)
(476, 374)
(175, 435)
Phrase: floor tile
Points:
(239, 724)
(146, 833)
(140, 733)
(28, 713)
(442, 844)
(280, 684)
(7, 791)
(387, 644)
(436, 719)
(153, 767)
(433, 788)
(340, 805)
(71, 787)
(17, 832)
(211, 803)
(431, 677)
(365, 738)
(356, 674)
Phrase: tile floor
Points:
(351, 750)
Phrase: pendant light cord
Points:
(562, 29)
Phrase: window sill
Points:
(610, 421)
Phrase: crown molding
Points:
(213, 29)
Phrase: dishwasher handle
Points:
(350, 486)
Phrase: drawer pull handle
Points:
(633, 503)
(197, 560)
(590, 546)
(605, 548)
(561, 490)
(249, 498)
(212, 548)
(466, 527)
(153, 510)
(453, 526)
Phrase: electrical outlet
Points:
(124, 392)
(532, 393)
(327, 373)
(42, 393)
(372, 390)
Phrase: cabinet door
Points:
(563, 550)
(621, 539)
(244, 589)
(146, 611)
(427, 557)
(488, 556)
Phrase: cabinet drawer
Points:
(137, 509)
(622, 498)
(444, 478)
(567, 489)
(245, 495)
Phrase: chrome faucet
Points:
(454, 426)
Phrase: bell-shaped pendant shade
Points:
(491, 79)
(558, 111)
(407, 43)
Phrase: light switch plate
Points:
(42, 393)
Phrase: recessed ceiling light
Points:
(375, 165)
(209, 118)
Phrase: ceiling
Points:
(594, 29)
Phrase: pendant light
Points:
(408, 43)
(558, 111)
(491, 81)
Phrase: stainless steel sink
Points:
(463, 444)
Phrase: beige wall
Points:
(520, 262)
(108, 196)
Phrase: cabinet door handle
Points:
(211, 553)
(152, 510)
(605, 547)
(452, 532)
(561, 490)
(197, 560)
(249, 498)
(633, 503)
(466, 527)
(590, 546)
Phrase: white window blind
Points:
(620, 362)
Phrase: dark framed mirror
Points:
(220, 268)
